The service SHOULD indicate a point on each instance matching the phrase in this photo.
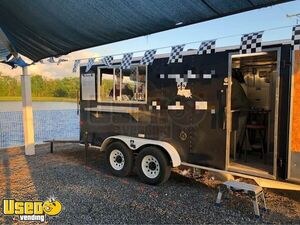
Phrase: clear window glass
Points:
(106, 85)
(140, 94)
(117, 84)
(129, 77)
(123, 85)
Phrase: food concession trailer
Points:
(164, 115)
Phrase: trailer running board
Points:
(92, 146)
(263, 182)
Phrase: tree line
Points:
(40, 86)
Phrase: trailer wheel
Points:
(153, 167)
(119, 159)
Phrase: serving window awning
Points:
(43, 28)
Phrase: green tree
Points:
(9, 86)
(60, 92)
(37, 86)
(41, 86)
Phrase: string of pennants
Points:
(250, 43)
(52, 60)
(15, 61)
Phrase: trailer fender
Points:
(135, 143)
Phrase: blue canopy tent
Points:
(44, 28)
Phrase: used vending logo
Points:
(31, 210)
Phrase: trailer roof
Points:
(43, 28)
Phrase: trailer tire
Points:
(119, 159)
(153, 167)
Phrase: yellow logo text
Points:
(31, 210)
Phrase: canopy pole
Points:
(28, 128)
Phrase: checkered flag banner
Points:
(148, 57)
(61, 60)
(176, 54)
(51, 60)
(107, 60)
(251, 43)
(296, 37)
(207, 47)
(126, 61)
(76, 63)
(89, 64)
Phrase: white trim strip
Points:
(115, 109)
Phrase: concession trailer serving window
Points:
(122, 85)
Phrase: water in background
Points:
(52, 120)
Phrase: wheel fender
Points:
(135, 143)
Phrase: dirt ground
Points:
(90, 195)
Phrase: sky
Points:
(238, 24)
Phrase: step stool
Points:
(253, 191)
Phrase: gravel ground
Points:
(90, 195)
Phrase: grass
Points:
(36, 99)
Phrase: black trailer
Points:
(165, 115)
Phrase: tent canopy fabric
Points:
(5, 47)
(43, 28)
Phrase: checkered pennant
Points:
(126, 61)
(176, 54)
(76, 63)
(251, 43)
(51, 60)
(296, 37)
(61, 60)
(207, 47)
(148, 57)
(107, 60)
(89, 64)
